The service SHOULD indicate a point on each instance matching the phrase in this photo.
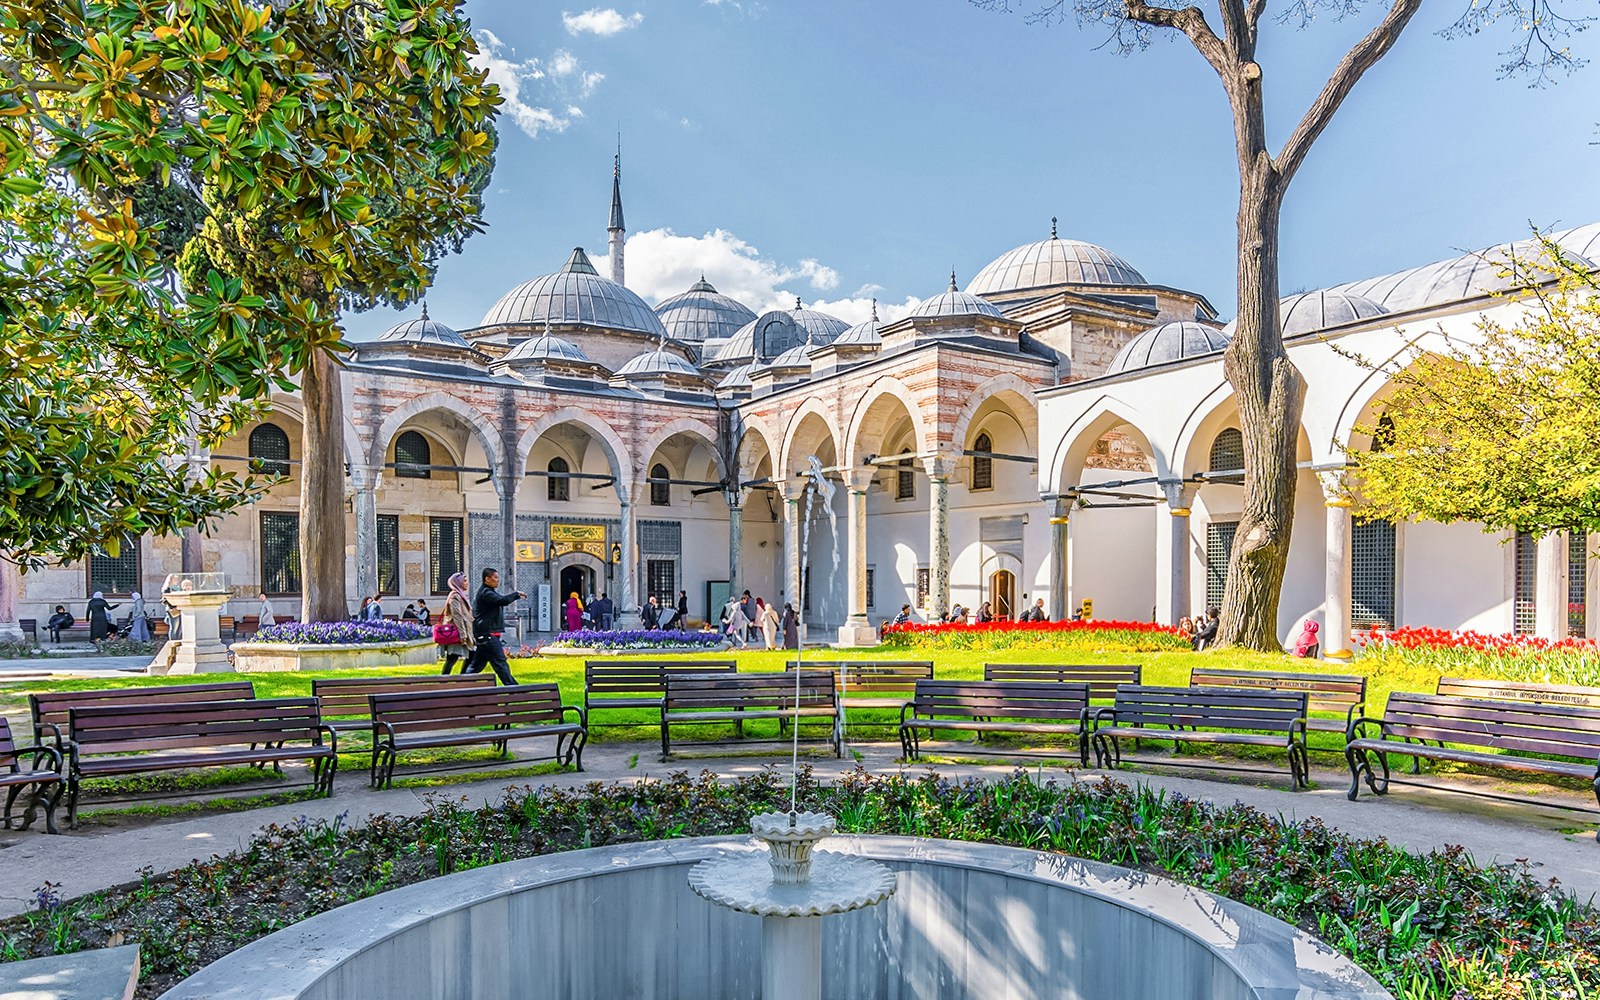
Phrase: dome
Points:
(1168, 342)
(656, 363)
(703, 313)
(772, 333)
(424, 331)
(795, 357)
(1054, 262)
(1464, 277)
(956, 303)
(547, 348)
(821, 327)
(738, 378)
(575, 294)
(866, 334)
(1308, 312)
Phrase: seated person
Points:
(58, 621)
(1205, 632)
(410, 614)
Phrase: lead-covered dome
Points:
(547, 348)
(1168, 342)
(738, 378)
(1054, 261)
(1307, 312)
(703, 313)
(868, 333)
(576, 294)
(424, 331)
(772, 333)
(956, 303)
(656, 363)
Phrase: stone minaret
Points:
(617, 229)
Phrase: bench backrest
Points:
(643, 677)
(130, 728)
(1324, 692)
(1052, 700)
(1209, 708)
(50, 709)
(511, 705)
(693, 692)
(1103, 679)
(8, 747)
(1520, 726)
(347, 697)
(879, 676)
(1548, 694)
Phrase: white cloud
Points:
(662, 263)
(527, 84)
(600, 21)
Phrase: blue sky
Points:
(842, 150)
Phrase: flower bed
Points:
(636, 639)
(1474, 654)
(335, 646)
(1110, 636)
(1429, 927)
(342, 633)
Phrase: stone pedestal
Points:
(200, 650)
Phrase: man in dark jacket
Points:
(651, 613)
(603, 613)
(683, 607)
(1205, 633)
(747, 604)
(488, 625)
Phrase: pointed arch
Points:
(810, 411)
(704, 433)
(617, 454)
(891, 387)
(1014, 390)
(1105, 414)
(479, 426)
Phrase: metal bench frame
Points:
(1244, 717)
(1345, 693)
(431, 719)
(47, 783)
(1023, 707)
(695, 699)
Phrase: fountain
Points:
(199, 598)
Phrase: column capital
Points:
(1180, 496)
(365, 478)
(1335, 488)
(939, 466)
(859, 480)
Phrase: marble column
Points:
(628, 571)
(1172, 552)
(10, 591)
(1335, 633)
(1591, 586)
(792, 591)
(191, 555)
(1060, 570)
(1550, 587)
(364, 481)
(506, 486)
(735, 497)
(857, 630)
(939, 470)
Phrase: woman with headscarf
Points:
(95, 611)
(454, 631)
(1306, 645)
(791, 627)
(738, 625)
(768, 620)
(265, 616)
(139, 627)
(574, 612)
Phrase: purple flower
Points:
(342, 633)
(637, 638)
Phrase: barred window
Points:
(412, 456)
(805, 589)
(660, 489)
(1372, 574)
(905, 487)
(923, 586)
(388, 554)
(118, 574)
(983, 465)
(661, 582)
(280, 553)
(872, 589)
(1219, 546)
(1524, 616)
(1227, 455)
(558, 487)
(269, 449)
(444, 552)
(1577, 583)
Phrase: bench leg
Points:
(1361, 763)
(1083, 748)
(838, 740)
(50, 807)
(666, 741)
(72, 802)
(908, 746)
(1299, 766)
(575, 749)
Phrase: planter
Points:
(634, 651)
(267, 657)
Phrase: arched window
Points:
(1227, 455)
(269, 447)
(558, 486)
(660, 489)
(1383, 434)
(412, 456)
(905, 487)
(983, 465)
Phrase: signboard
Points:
(530, 552)
(1088, 608)
(589, 539)
(542, 607)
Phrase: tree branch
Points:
(1356, 62)
(1192, 22)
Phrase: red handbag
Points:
(446, 634)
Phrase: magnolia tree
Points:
(288, 160)
(1269, 390)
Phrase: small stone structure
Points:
(101, 974)
(199, 598)
(267, 657)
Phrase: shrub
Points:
(342, 633)
(638, 638)
(1112, 636)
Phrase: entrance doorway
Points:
(576, 580)
(1003, 594)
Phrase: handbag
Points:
(446, 634)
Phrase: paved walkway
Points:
(86, 665)
(1418, 819)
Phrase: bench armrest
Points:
(1103, 714)
(1297, 726)
(910, 707)
(333, 736)
(583, 715)
(1353, 714)
(42, 750)
(1354, 730)
(55, 734)
(387, 729)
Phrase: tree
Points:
(1269, 390)
(1500, 429)
(258, 138)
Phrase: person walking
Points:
(424, 613)
(769, 624)
(791, 627)
(374, 609)
(488, 625)
(139, 627)
(99, 622)
(58, 621)
(454, 631)
(747, 604)
(738, 624)
(573, 613)
(651, 613)
(265, 616)
(683, 607)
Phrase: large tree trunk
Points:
(322, 527)
(1270, 394)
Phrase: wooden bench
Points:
(878, 683)
(614, 683)
(1342, 693)
(108, 740)
(77, 631)
(227, 628)
(1103, 679)
(30, 628)
(1204, 715)
(346, 701)
(1545, 694)
(1027, 707)
(1516, 735)
(696, 699)
(46, 781)
(50, 710)
(472, 714)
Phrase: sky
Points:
(843, 151)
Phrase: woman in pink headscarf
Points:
(574, 613)
(1306, 645)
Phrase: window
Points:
(983, 465)
(388, 554)
(118, 574)
(1524, 618)
(557, 485)
(923, 586)
(412, 456)
(1227, 455)
(280, 553)
(872, 589)
(269, 449)
(1372, 564)
(904, 485)
(661, 582)
(805, 589)
(444, 552)
(1577, 583)
(660, 489)
(1219, 546)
